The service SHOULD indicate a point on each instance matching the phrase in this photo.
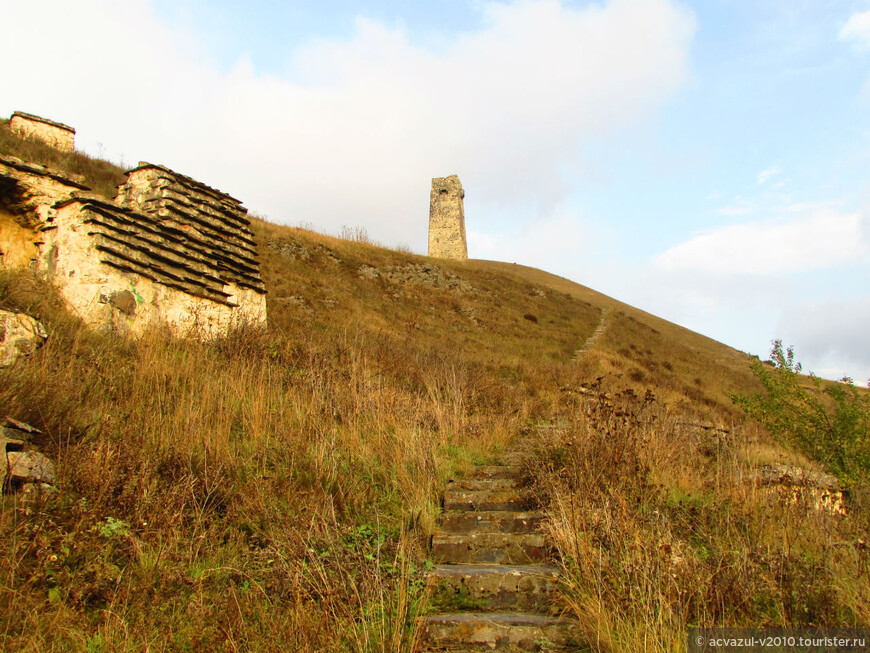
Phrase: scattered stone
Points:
(293, 300)
(20, 335)
(21, 426)
(29, 467)
(779, 474)
(368, 272)
(426, 274)
(537, 292)
(29, 472)
(290, 249)
(36, 489)
(328, 254)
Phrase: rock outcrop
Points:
(447, 219)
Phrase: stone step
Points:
(511, 459)
(490, 548)
(484, 484)
(485, 588)
(499, 631)
(495, 471)
(459, 499)
(493, 521)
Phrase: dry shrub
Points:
(660, 527)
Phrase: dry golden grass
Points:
(661, 526)
(275, 489)
(288, 474)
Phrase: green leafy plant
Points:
(829, 422)
(113, 527)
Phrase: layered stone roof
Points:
(45, 121)
(167, 251)
(29, 190)
(39, 170)
(167, 239)
(214, 223)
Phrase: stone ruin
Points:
(168, 250)
(447, 219)
(55, 134)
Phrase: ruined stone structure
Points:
(447, 219)
(27, 194)
(56, 134)
(169, 250)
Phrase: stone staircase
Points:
(493, 588)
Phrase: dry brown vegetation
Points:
(275, 489)
(661, 525)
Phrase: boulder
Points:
(29, 467)
(20, 335)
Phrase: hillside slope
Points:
(276, 489)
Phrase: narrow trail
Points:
(599, 331)
(494, 583)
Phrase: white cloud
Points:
(833, 334)
(857, 30)
(823, 239)
(558, 243)
(355, 131)
(765, 175)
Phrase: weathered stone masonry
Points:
(27, 194)
(447, 219)
(56, 134)
(169, 250)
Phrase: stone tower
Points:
(447, 219)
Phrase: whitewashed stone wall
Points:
(55, 134)
(188, 261)
(106, 289)
(447, 219)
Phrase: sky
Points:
(708, 162)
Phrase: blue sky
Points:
(708, 162)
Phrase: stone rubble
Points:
(20, 336)
(24, 470)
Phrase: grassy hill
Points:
(275, 489)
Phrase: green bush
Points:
(826, 421)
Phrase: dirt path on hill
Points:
(599, 331)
